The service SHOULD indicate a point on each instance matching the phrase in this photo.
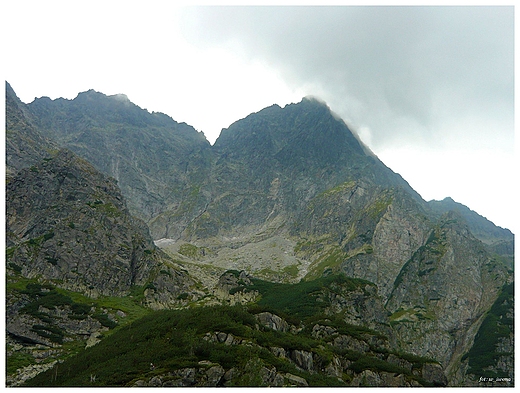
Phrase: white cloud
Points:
(419, 85)
(482, 179)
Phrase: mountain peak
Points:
(93, 94)
(315, 99)
(309, 121)
(481, 227)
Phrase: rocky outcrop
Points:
(213, 375)
(24, 144)
(442, 291)
(27, 373)
(230, 288)
(206, 375)
(68, 222)
(257, 373)
(273, 321)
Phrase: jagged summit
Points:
(303, 145)
(304, 139)
(301, 134)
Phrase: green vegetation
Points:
(46, 297)
(38, 241)
(375, 364)
(192, 251)
(433, 250)
(411, 315)
(379, 207)
(329, 260)
(18, 360)
(172, 340)
(339, 189)
(178, 339)
(497, 325)
(314, 245)
(53, 333)
(291, 270)
(189, 250)
(43, 296)
(9, 251)
(304, 299)
(16, 268)
(341, 327)
(108, 209)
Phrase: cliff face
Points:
(66, 221)
(24, 144)
(151, 156)
(269, 165)
(490, 360)
(286, 194)
(262, 168)
(454, 283)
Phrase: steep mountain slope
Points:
(70, 239)
(270, 164)
(273, 161)
(152, 157)
(497, 240)
(490, 361)
(443, 291)
(301, 141)
(68, 222)
(24, 144)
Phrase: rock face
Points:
(273, 321)
(490, 360)
(273, 160)
(66, 221)
(25, 145)
(153, 158)
(454, 278)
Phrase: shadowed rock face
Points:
(153, 158)
(443, 291)
(24, 144)
(261, 168)
(67, 221)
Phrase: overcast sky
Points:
(429, 89)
